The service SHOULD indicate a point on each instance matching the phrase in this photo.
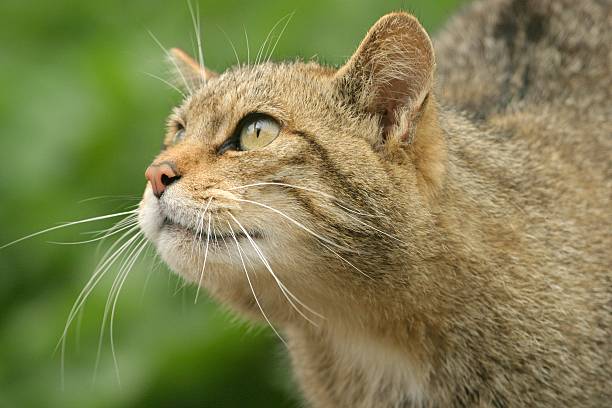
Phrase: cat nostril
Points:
(167, 180)
(161, 176)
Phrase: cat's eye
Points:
(258, 131)
(179, 135)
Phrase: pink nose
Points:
(161, 176)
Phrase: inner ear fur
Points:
(391, 74)
(190, 74)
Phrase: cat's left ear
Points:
(391, 74)
(189, 72)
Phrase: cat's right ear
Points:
(189, 73)
(391, 75)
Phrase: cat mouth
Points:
(214, 236)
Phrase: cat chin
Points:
(183, 251)
(222, 273)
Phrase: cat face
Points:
(283, 186)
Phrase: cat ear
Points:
(190, 73)
(391, 74)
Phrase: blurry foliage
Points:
(79, 118)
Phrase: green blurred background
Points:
(79, 118)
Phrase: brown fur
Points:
(462, 248)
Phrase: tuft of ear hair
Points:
(391, 74)
(190, 74)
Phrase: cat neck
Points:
(394, 343)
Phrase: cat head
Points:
(296, 189)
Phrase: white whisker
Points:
(126, 197)
(169, 56)
(98, 274)
(283, 288)
(231, 44)
(228, 250)
(215, 235)
(129, 267)
(331, 198)
(167, 83)
(198, 235)
(251, 286)
(299, 224)
(155, 264)
(205, 258)
(121, 223)
(279, 37)
(126, 254)
(200, 228)
(110, 234)
(326, 195)
(196, 26)
(68, 224)
(343, 259)
(260, 53)
(246, 37)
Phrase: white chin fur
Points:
(150, 220)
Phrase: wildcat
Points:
(425, 226)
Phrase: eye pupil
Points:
(258, 132)
(257, 127)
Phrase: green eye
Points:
(178, 136)
(258, 132)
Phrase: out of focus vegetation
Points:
(79, 118)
